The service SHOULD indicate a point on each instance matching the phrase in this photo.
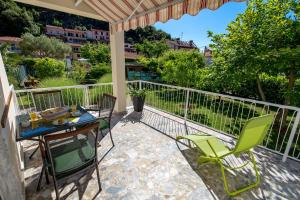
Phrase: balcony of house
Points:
(147, 162)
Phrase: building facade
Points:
(98, 35)
(178, 44)
(77, 36)
(12, 42)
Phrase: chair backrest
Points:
(253, 133)
(69, 141)
(47, 99)
(107, 104)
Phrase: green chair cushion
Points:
(103, 124)
(72, 156)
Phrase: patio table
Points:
(45, 128)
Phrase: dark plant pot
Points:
(138, 103)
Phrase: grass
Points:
(71, 96)
(222, 114)
(106, 78)
(57, 82)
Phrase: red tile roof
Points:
(74, 44)
(56, 27)
(182, 44)
(10, 39)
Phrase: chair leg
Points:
(98, 176)
(112, 141)
(47, 176)
(38, 187)
(248, 187)
(32, 154)
(55, 187)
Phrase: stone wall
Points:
(11, 176)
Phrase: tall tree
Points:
(149, 33)
(152, 48)
(96, 53)
(16, 20)
(42, 46)
(264, 39)
(181, 67)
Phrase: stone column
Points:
(11, 176)
(118, 69)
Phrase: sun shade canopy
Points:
(130, 14)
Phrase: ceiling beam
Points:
(77, 2)
(66, 6)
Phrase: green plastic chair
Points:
(214, 150)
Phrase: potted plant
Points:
(138, 98)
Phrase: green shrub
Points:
(29, 63)
(274, 87)
(48, 67)
(98, 71)
(78, 72)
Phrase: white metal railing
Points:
(224, 113)
(85, 95)
(227, 114)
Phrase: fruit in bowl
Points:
(59, 122)
(76, 113)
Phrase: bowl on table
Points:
(53, 114)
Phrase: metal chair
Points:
(72, 154)
(214, 150)
(47, 99)
(44, 100)
(105, 109)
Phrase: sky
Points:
(195, 27)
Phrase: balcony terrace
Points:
(148, 163)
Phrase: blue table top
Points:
(48, 128)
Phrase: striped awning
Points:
(130, 14)
(151, 11)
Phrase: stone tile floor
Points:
(147, 163)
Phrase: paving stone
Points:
(146, 163)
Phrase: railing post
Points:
(15, 99)
(33, 100)
(140, 84)
(86, 96)
(186, 105)
(291, 138)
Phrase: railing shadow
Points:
(278, 180)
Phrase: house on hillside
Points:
(75, 53)
(75, 36)
(55, 31)
(12, 42)
(98, 35)
(179, 44)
